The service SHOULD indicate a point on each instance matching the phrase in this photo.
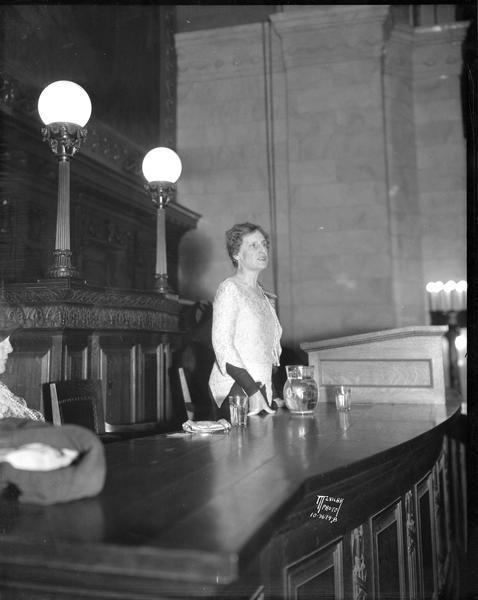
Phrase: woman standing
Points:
(245, 329)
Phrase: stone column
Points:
(441, 149)
(401, 174)
(340, 244)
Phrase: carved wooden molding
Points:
(63, 304)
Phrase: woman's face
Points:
(5, 349)
(253, 254)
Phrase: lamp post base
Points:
(62, 266)
(161, 285)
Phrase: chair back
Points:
(188, 405)
(78, 402)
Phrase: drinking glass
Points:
(343, 398)
(238, 408)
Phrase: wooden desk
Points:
(239, 514)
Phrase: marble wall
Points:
(222, 142)
(313, 125)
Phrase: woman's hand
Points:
(257, 404)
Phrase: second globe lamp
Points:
(161, 169)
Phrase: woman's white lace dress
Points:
(245, 333)
(14, 406)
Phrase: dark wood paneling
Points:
(117, 364)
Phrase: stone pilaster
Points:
(401, 169)
(341, 260)
(441, 151)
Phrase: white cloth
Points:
(206, 426)
(14, 406)
(38, 457)
(245, 333)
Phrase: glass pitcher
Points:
(300, 390)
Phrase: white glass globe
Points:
(162, 164)
(461, 342)
(64, 102)
(449, 286)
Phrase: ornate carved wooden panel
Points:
(123, 338)
(411, 544)
(360, 572)
(445, 555)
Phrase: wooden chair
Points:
(189, 406)
(80, 402)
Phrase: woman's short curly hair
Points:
(235, 235)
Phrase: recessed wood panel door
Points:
(117, 367)
(317, 575)
(75, 355)
(386, 531)
(154, 396)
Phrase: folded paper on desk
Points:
(81, 466)
(206, 426)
